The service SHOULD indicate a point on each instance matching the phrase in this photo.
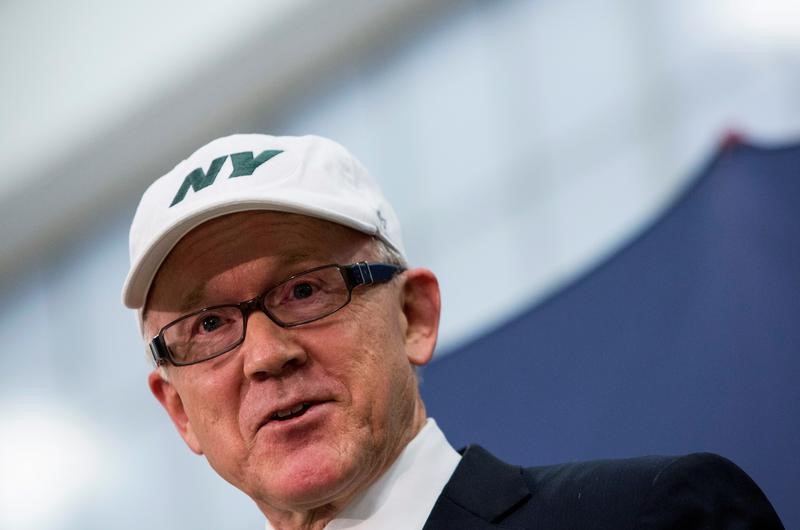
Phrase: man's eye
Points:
(302, 290)
(211, 323)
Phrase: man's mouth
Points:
(294, 412)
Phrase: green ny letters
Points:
(243, 165)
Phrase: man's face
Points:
(354, 367)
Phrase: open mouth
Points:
(294, 412)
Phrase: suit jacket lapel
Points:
(481, 491)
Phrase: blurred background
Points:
(530, 138)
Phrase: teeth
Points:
(281, 414)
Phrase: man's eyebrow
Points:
(287, 263)
(192, 300)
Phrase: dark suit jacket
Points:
(691, 492)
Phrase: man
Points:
(271, 283)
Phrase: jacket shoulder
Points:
(705, 490)
(695, 491)
(700, 490)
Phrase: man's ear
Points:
(169, 398)
(421, 307)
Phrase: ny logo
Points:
(243, 165)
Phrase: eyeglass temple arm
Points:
(159, 351)
(363, 273)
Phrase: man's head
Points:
(300, 417)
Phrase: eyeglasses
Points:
(300, 299)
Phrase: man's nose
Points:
(268, 349)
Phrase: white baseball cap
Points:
(307, 175)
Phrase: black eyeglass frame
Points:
(355, 274)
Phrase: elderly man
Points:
(272, 287)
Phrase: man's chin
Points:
(307, 481)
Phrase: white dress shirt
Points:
(403, 497)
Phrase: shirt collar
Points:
(404, 495)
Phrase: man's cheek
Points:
(209, 420)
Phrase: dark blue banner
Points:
(688, 339)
